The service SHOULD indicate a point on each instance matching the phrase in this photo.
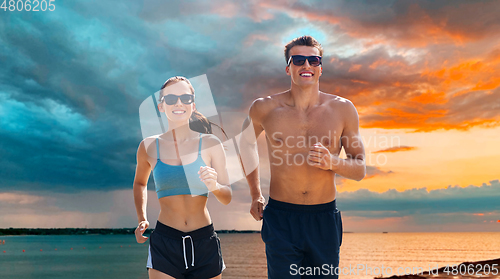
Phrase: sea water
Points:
(120, 256)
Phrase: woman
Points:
(187, 162)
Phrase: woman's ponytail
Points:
(199, 123)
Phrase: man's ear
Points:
(287, 70)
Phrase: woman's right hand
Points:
(141, 228)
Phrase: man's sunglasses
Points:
(299, 60)
(171, 99)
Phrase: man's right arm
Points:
(252, 128)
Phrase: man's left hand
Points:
(319, 156)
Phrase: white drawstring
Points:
(184, 248)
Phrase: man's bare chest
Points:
(297, 131)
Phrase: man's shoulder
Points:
(338, 103)
(269, 100)
(342, 106)
(266, 104)
(332, 99)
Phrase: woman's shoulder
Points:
(148, 140)
(212, 144)
(144, 149)
(147, 143)
(210, 139)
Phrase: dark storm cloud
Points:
(72, 83)
(72, 80)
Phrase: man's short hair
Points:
(302, 41)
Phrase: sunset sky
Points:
(423, 75)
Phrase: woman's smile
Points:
(177, 111)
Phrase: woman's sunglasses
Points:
(171, 99)
(299, 60)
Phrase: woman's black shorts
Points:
(194, 254)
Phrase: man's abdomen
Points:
(302, 184)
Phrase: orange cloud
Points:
(452, 96)
(355, 68)
(430, 97)
(359, 81)
(418, 127)
(473, 75)
(396, 149)
(382, 62)
(491, 83)
(417, 115)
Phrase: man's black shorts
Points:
(302, 240)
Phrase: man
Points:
(305, 130)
